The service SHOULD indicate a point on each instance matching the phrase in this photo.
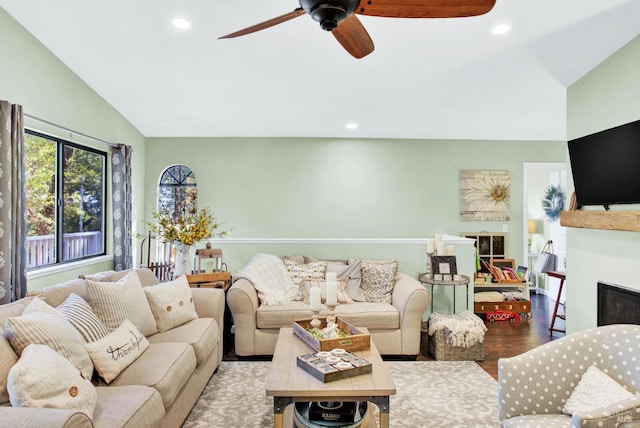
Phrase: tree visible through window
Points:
(65, 191)
(177, 192)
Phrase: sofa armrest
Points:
(34, 417)
(411, 299)
(243, 302)
(615, 415)
(209, 303)
(515, 376)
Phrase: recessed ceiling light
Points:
(351, 126)
(501, 29)
(181, 23)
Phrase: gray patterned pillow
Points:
(378, 279)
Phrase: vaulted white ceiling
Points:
(427, 78)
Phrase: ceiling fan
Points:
(339, 17)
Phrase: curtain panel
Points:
(121, 188)
(13, 230)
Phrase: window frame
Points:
(61, 143)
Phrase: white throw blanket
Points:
(464, 329)
(269, 276)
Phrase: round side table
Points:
(463, 280)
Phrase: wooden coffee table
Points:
(288, 383)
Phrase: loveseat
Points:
(393, 316)
(589, 378)
(161, 384)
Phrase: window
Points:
(178, 190)
(65, 192)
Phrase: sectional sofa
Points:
(158, 388)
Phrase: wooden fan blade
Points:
(266, 24)
(425, 8)
(352, 35)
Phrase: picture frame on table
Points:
(444, 265)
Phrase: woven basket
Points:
(444, 351)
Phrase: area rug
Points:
(429, 394)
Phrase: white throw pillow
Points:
(44, 378)
(595, 389)
(171, 303)
(116, 351)
(114, 302)
(43, 324)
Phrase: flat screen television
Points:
(606, 166)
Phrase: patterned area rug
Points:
(429, 394)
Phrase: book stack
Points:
(508, 274)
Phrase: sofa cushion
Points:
(378, 279)
(80, 315)
(595, 389)
(55, 295)
(165, 367)
(128, 406)
(203, 334)
(44, 378)
(282, 315)
(117, 350)
(43, 324)
(113, 302)
(171, 303)
(7, 359)
(146, 276)
(374, 316)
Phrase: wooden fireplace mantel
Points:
(607, 220)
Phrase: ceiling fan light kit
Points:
(329, 15)
(339, 17)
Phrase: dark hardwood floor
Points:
(503, 338)
(509, 338)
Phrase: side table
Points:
(464, 280)
(217, 280)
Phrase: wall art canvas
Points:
(484, 194)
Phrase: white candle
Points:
(332, 293)
(431, 246)
(330, 276)
(451, 250)
(440, 248)
(314, 299)
(438, 238)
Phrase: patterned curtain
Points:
(121, 185)
(13, 229)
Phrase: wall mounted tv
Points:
(606, 166)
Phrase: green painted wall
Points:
(606, 97)
(342, 189)
(33, 77)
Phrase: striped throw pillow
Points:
(80, 315)
(43, 324)
(114, 302)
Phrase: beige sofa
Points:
(157, 389)
(394, 328)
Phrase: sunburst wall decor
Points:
(484, 195)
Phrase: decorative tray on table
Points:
(336, 364)
(352, 340)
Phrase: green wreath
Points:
(553, 202)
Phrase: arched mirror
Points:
(178, 190)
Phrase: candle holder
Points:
(331, 316)
(315, 320)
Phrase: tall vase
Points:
(183, 261)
